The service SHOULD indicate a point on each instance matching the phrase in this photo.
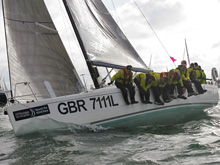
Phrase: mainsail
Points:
(103, 41)
(35, 51)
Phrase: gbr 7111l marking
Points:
(75, 106)
(103, 102)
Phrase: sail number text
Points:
(79, 105)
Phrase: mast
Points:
(88, 62)
(187, 52)
(6, 41)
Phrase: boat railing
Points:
(28, 84)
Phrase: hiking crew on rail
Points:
(162, 84)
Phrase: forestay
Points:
(35, 51)
(104, 42)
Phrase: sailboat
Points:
(47, 92)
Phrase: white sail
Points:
(103, 41)
(35, 51)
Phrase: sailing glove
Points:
(110, 83)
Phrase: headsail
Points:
(35, 51)
(104, 42)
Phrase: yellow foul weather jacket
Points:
(158, 77)
(123, 76)
(184, 74)
(203, 77)
(142, 77)
(171, 81)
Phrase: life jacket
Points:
(163, 74)
(167, 74)
(125, 76)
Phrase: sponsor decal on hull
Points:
(31, 112)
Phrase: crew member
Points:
(203, 76)
(198, 79)
(124, 79)
(176, 80)
(165, 88)
(185, 78)
(157, 87)
(191, 71)
(144, 82)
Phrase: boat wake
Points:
(48, 124)
(79, 128)
(43, 124)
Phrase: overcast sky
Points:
(197, 21)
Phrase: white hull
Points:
(107, 108)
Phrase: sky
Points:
(173, 21)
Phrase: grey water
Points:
(194, 142)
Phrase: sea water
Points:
(194, 142)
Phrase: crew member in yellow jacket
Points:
(176, 81)
(164, 89)
(197, 80)
(185, 78)
(144, 82)
(124, 79)
(158, 86)
(192, 72)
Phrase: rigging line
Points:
(153, 30)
